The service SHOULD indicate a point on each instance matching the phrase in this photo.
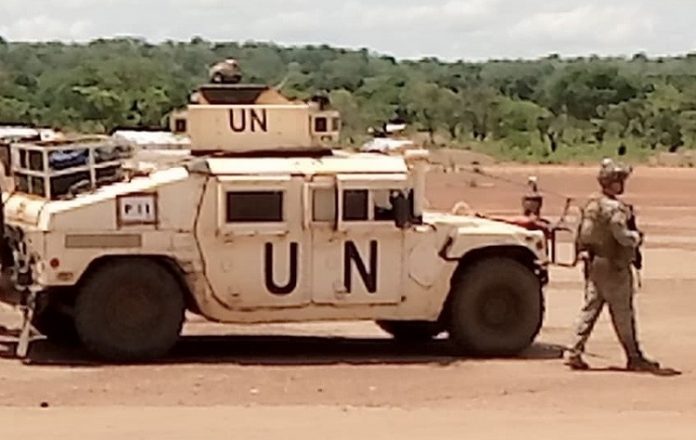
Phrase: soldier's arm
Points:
(619, 229)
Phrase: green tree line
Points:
(528, 108)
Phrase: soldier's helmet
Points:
(611, 171)
(226, 72)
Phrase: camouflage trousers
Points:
(607, 283)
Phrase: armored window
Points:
(383, 201)
(324, 205)
(355, 205)
(254, 206)
(321, 125)
(180, 125)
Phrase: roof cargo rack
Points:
(60, 169)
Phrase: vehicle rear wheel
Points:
(411, 331)
(496, 308)
(130, 310)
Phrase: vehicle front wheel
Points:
(411, 331)
(496, 308)
(130, 310)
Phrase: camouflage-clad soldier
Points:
(609, 248)
(226, 72)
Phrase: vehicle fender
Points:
(459, 244)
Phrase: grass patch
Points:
(533, 151)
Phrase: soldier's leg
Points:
(592, 307)
(619, 296)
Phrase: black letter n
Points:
(351, 254)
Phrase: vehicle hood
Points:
(473, 223)
(465, 233)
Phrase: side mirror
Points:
(401, 206)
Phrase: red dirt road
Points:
(348, 380)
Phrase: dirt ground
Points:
(347, 380)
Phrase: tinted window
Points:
(355, 205)
(180, 126)
(321, 125)
(254, 206)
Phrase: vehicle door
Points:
(259, 257)
(357, 248)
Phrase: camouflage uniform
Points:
(609, 249)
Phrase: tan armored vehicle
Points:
(264, 222)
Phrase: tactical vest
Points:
(595, 237)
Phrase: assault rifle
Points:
(638, 258)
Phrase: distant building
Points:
(385, 145)
(388, 139)
(154, 140)
(10, 133)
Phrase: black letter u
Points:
(268, 271)
(238, 128)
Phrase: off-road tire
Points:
(411, 331)
(57, 326)
(129, 310)
(496, 308)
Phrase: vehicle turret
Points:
(227, 116)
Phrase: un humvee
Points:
(264, 222)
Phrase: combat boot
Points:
(642, 364)
(575, 362)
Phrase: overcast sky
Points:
(450, 29)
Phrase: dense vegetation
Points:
(547, 109)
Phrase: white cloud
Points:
(407, 28)
(43, 27)
(355, 16)
(409, 18)
(587, 23)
